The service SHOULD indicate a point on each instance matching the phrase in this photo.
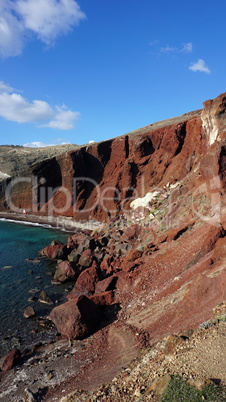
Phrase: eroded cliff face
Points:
(100, 180)
(214, 119)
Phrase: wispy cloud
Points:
(44, 19)
(154, 42)
(15, 107)
(185, 48)
(201, 66)
(168, 49)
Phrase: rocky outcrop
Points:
(214, 119)
(55, 252)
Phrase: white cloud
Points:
(49, 18)
(15, 107)
(63, 119)
(37, 144)
(201, 66)
(11, 31)
(46, 19)
(40, 144)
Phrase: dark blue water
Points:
(19, 242)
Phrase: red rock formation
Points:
(10, 360)
(76, 318)
(81, 184)
(101, 179)
(85, 284)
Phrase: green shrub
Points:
(180, 390)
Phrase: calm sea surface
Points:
(19, 242)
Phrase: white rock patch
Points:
(145, 201)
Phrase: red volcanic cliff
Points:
(99, 180)
(151, 272)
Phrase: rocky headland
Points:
(149, 277)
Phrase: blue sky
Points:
(71, 72)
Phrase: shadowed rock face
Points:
(99, 180)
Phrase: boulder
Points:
(83, 245)
(74, 256)
(131, 233)
(160, 384)
(86, 259)
(124, 282)
(85, 284)
(106, 284)
(29, 312)
(104, 298)
(77, 318)
(107, 265)
(44, 298)
(121, 249)
(98, 255)
(134, 255)
(70, 243)
(10, 360)
(172, 343)
(65, 271)
(56, 243)
(78, 238)
(56, 252)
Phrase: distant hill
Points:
(16, 159)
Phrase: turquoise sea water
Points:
(19, 242)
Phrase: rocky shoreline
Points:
(108, 265)
(147, 305)
(66, 224)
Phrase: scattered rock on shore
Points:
(44, 298)
(29, 312)
(10, 360)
